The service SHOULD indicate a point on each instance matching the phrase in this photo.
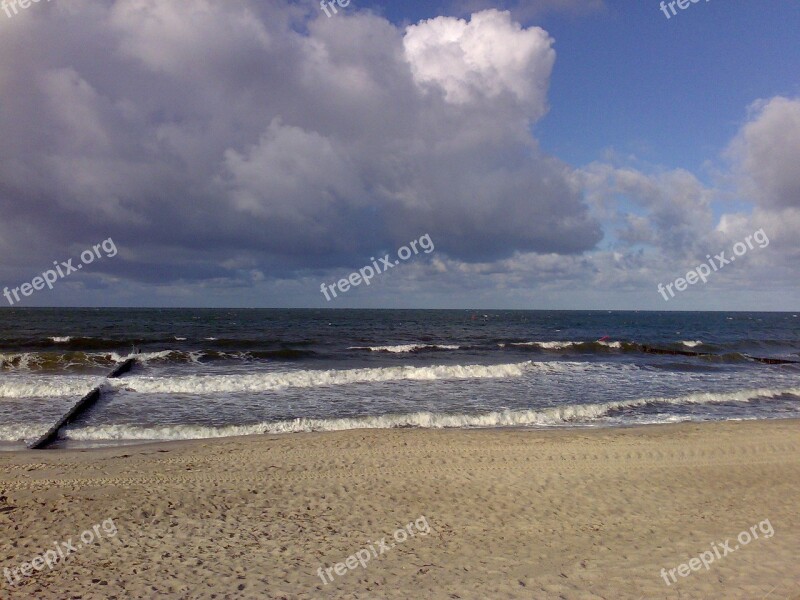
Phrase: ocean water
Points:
(211, 373)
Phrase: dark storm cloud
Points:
(212, 139)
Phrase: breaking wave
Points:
(401, 348)
(47, 387)
(55, 361)
(16, 433)
(569, 414)
(260, 382)
(598, 346)
(76, 361)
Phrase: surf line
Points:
(83, 405)
(767, 361)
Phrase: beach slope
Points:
(577, 513)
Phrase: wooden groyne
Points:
(80, 407)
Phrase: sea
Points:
(208, 373)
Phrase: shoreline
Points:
(513, 513)
(62, 445)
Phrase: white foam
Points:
(17, 361)
(61, 340)
(616, 345)
(570, 414)
(17, 433)
(405, 347)
(560, 345)
(32, 361)
(260, 382)
(46, 387)
(173, 432)
(146, 356)
(557, 345)
(141, 357)
(692, 344)
(545, 345)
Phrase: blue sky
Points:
(629, 79)
(560, 153)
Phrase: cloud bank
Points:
(262, 147)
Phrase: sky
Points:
(546, 154)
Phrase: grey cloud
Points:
(767, 151)
(268, 135)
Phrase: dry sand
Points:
(513, 514)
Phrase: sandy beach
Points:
(580, 514)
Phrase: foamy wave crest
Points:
(141, 357)
(16, 433)
(148, 356)
(50, 387)
(22, 361)
(172, 432)
(545, 345)
(585, 346)
(599, 410)
(692, 344)
(40, 361)
(61, 340)
(260, 382)
(406, 347)
(556, 345)
(615, 345)
(573, 413)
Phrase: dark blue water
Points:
(206, 373)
